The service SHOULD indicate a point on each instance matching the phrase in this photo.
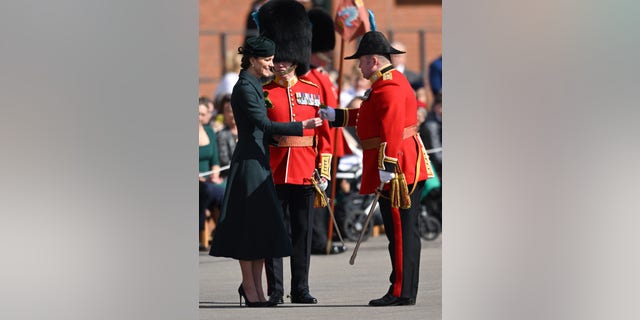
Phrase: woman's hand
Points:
(311, 123)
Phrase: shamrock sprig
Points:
(267, 101)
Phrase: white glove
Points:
(327, 113)
(386, 176)
(323, 183)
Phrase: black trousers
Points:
(402, 230)
(319, 236)
(297, 205)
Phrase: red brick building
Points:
(416, 23)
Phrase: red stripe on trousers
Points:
(397, 239)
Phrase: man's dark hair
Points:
(204, 100)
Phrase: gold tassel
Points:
(320, 199)
(405, 198)
(394, 193)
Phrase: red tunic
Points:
(294, 160)
(388, 113)
(329, 97)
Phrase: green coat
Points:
(250, 225)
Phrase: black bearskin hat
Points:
(324, 35)
(287, 24)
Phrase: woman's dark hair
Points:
(220, 101)
(245, 63)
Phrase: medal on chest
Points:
(308, 99)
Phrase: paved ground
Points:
(342, 290)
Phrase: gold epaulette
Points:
(308, 82)
(384, 73)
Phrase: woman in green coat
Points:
(251, 226)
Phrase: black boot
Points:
(303, 297)
(276, 298)
(390, 300)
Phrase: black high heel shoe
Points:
(257, 304)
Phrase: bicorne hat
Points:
(374, 42)
(287, 24)
(324, 34)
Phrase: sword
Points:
(317, 178)
(366, 224)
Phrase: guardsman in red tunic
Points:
(392, 154)
(322, 44)
(293, 159)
